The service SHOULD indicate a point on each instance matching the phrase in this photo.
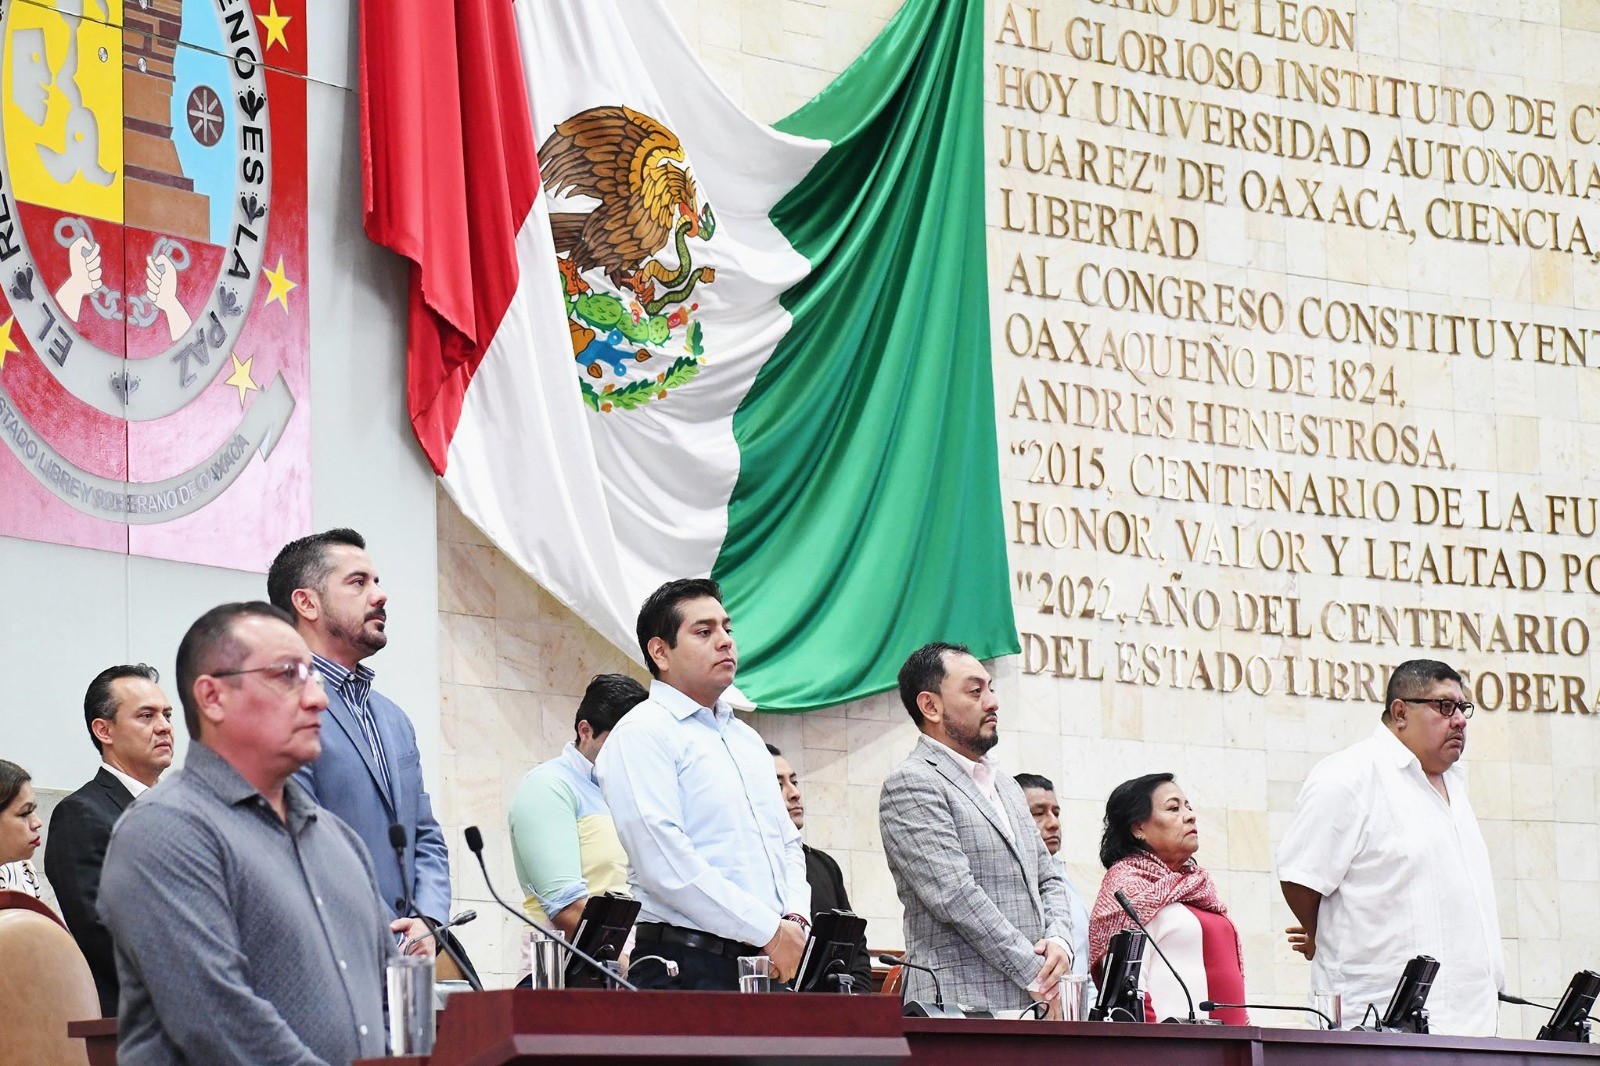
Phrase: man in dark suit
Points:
(822, 870)
(369, 772)
(130, 722)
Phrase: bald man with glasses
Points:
(245, 918)
(1384, 861)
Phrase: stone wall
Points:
(1082, 705)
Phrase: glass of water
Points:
(1074, 997)
(755, 973)
(547, 961)
(1330, 1003)
(409, 980)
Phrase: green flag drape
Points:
(866, 519)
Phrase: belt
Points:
(662, 933)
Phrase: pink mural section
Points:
(154, 315)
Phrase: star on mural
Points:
(274, 24)
(7, 345)
(240, 379)
(279, 286)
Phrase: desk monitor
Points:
(1120, 999)
(602, 931)
(1406, 1011)
(1571, 1018)
(830, 951)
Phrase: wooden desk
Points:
(522, 1026)
(100, 1039)
(1305, 1047)
(973, 1042)
(985, 1042)
(526, 1026)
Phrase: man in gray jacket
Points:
(985, 906)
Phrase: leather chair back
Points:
(44, 984)
(10, 897)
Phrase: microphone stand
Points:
(1211, 1005)
(835, 972)
(1580, 1028)
(1507, 997)
(917, 1008)
(1122, 901)
(475, 844)
(397, 840)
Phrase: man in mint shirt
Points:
(562, 838)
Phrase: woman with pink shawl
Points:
(1148, 850)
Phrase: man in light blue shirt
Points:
(714, 860)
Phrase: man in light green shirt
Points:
(562, 839)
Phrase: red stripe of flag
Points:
(450, 171)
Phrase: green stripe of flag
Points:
(874, 419)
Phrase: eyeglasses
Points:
(1446, 707)
(289, 675)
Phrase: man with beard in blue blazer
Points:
(369, 772)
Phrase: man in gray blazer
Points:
(985, 906)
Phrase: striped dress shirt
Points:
(356, 686)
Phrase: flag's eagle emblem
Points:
(618, 290)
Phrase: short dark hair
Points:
(606, 700)
(1411, 676)
(12, 778)
(772, 750)
(1038, 781)
(924, 672)
(210, 645)
(1129, 803)
(304, 564)
(660, 616)
(98, 702)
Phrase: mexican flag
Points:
(652, 337)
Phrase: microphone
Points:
(397, 841)
(1569, 1018)
(917, 1008)
(1211, 1005)
(1507, 997)
(475, 845)
(461, 919)
(1122, 901)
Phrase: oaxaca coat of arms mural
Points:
(154, 324)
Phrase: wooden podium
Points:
(521, 1026)
(969, 1042)
(524, 1026)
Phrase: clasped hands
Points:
(1046, 987)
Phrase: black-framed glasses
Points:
(290, 674)
(1444, 706)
